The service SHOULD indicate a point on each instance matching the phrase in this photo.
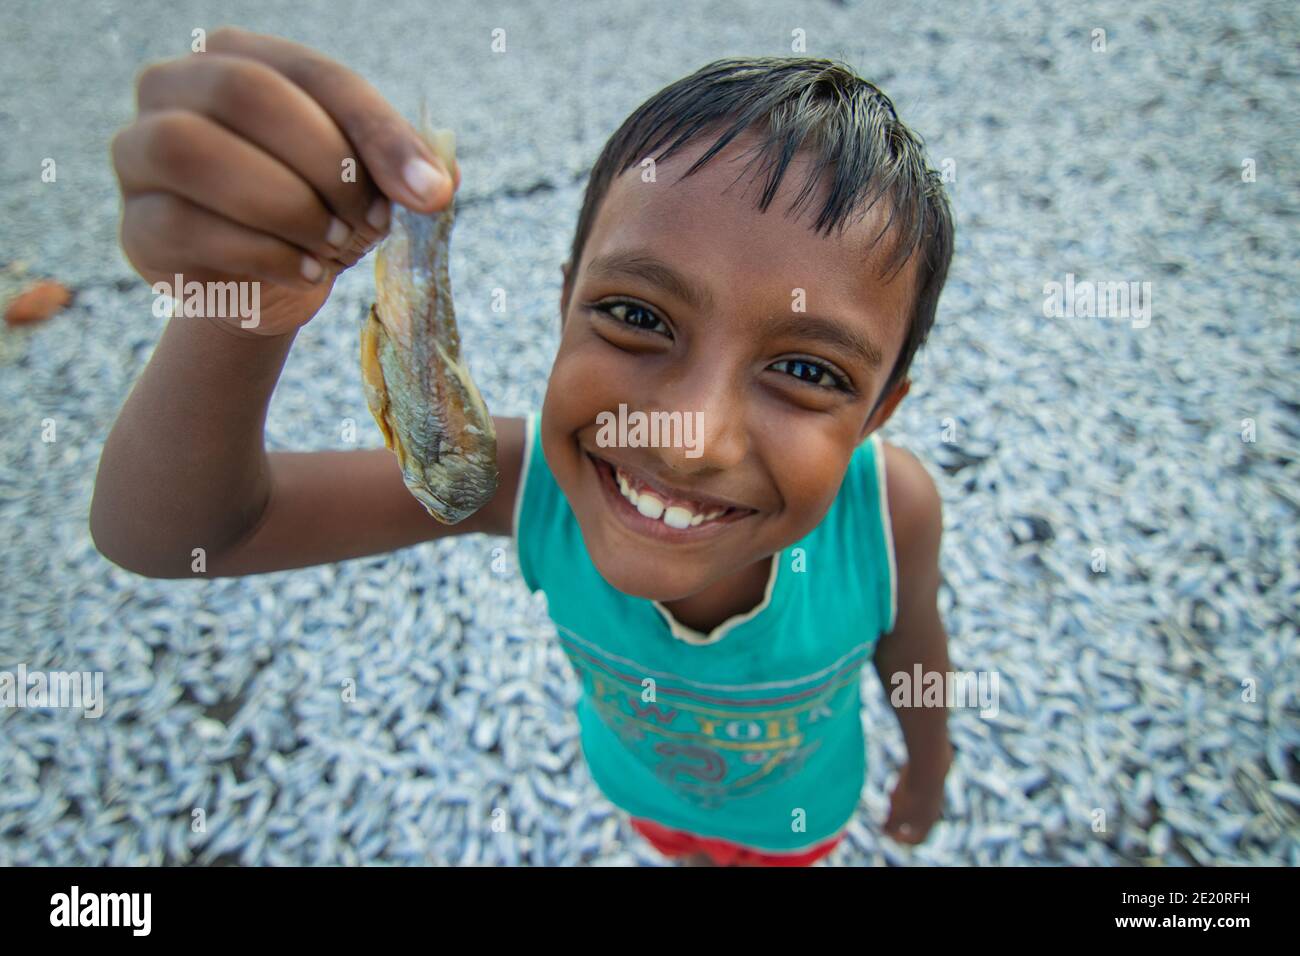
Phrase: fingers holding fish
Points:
(292, 104)
(196, 158)
(405, 168)
(261, 106)
(164, 234)
(287, 164)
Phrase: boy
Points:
(717, 600)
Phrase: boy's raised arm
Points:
(184, 467)
(233, 172)
(335, 505)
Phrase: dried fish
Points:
(417, 384)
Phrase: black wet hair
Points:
(796, 103)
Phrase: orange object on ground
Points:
(37, 303)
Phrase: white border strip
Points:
(889, 530)
(523, 484)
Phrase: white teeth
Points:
(628, 492)
(678, 518)
(650, 506)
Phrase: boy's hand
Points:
(263, 160)
(914, 807)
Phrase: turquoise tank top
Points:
(753, 732)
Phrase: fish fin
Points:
(372, 377)
(442, 141)
(426, 122)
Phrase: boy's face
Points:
(762, 347)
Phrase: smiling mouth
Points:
(654, 513)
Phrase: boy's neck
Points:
(741, 592)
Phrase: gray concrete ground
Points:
(1148, 712)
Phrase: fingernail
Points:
(422, 177)
(377, 217)
(311, 269)
(338, 233)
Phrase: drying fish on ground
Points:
(417, 385)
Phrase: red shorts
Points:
(673, 843)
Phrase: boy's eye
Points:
(639, 317)
(629, 313)
(813, 373)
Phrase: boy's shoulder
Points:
(915, 508)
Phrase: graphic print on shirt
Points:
(712, 744)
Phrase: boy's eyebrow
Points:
(826, 331)
(644, 265)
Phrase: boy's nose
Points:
(714, 432)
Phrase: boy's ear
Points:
(886, 408)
